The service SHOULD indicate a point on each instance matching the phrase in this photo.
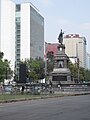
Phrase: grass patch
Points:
(13, 97)
(6, 97)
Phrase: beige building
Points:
(76, 47)
(88, 61)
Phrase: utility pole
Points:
(46, 59)
(77, 61)
(78, 67)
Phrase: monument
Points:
(61, 73)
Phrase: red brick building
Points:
(51, 47)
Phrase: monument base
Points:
(61, 76)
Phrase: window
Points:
(18, 7)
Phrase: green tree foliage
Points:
(73, 68)
(1, 55)
(84, 75)
(5, 70)
(87, 75)
(35, 68)
(50, 61)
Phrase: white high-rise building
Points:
(76, 47)
(21, 32)
(7, 30)
(88, 61)
(29, 33)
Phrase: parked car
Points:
(8, 88)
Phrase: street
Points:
(62, 108)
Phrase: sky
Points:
(72, 16)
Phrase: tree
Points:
(5, 70)
(83, 73)
(35, 68)
(50, 61)
(87, 75)
(73, 68)
(1, 55)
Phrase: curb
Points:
(42, 97)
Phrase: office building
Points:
(76, 47)
(29, 41)
(88, 61)
(7, 30)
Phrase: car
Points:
(8, 88)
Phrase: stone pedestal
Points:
(61, 73)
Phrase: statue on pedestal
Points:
(61, 74)
(60, 38)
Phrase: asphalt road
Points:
(64, 108)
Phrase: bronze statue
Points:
(60, 38)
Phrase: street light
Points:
(45, 67)
(78, 60)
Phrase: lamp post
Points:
(46, 59)
(78, 61)
(78, 67)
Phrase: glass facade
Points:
(36, 34)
